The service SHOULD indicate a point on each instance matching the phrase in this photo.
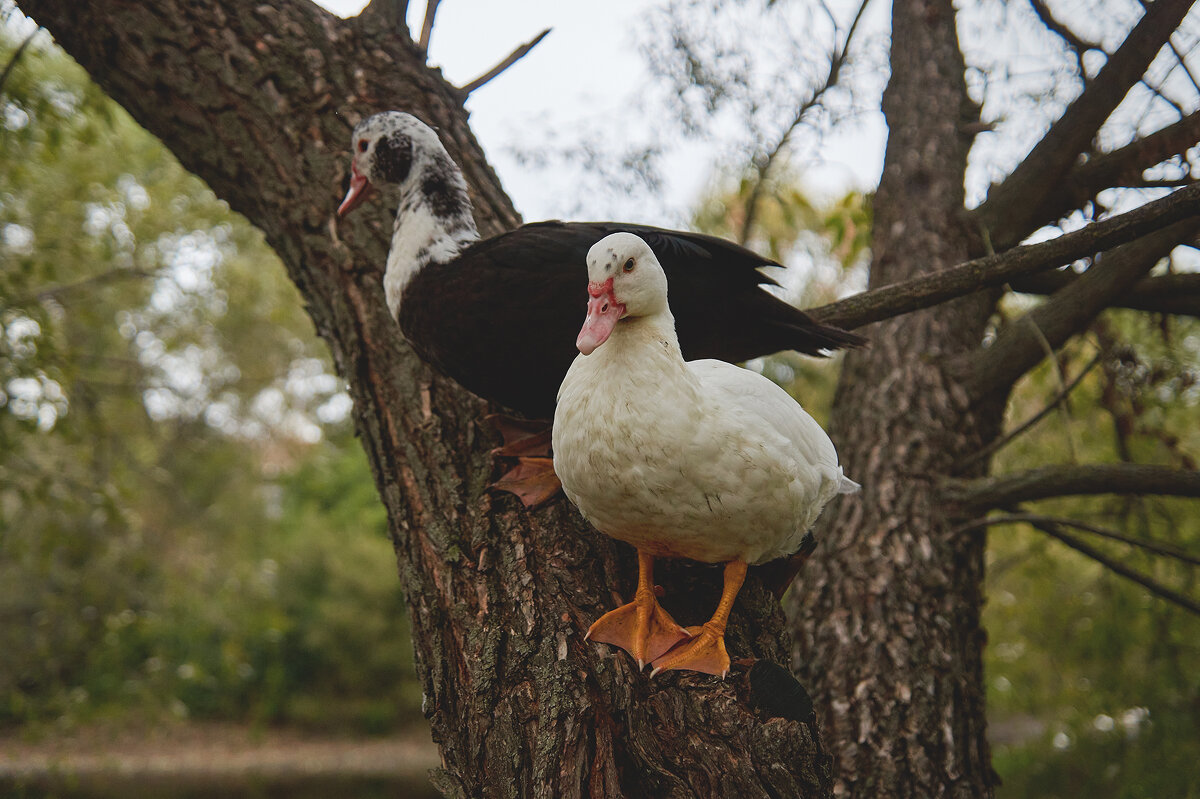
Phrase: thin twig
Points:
(111, 276)
(1078, 44)
(12, 62)
(1104, 532)
(427, 25)
(836, 62)
(1074, 40)
(1157, 92)
(1048, 350)
(1001, 565)
(1113, 565)
(1182, 63)
(1165, 183)
(1063, 393)
(513, 57)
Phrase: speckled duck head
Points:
(625, 279)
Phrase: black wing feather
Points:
(502, 317)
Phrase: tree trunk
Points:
(258, 99)
(888, 608)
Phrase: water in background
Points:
(317, 787)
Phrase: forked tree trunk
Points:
(258, 99)
(889, 606)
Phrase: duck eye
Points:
(628, 265)
(362, 145)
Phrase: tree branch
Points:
(1171, 294)
(1077, 44)
(1036, 518)
(1059, 481)
(1073, 40)
(1063, 393)
(836, 62)
(1121, 167)
(1020, 345)
(1183, 64)
(513, 57)
(994, 270)
(99, 279)
(1153, 586)
(391, 14)
(427, 25)
(16, 56)
(1018, 205)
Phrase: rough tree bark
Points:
(258, 100)
(891, 607)
(888, 611)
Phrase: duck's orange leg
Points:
(642, 628)
(706, 651)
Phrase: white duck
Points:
(700, 460)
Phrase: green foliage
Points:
(1092, 682)
(824, 244)
(178, 532)
(787, 219)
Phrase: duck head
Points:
(389, 148)
(625, 279)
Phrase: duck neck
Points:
(433, 224)
(647, 341)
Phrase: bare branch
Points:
(1077, 44)
(1127, 163)
(1034, 518)
(392, 14)
(427, 25)
(1182, 63)
(1059, 481)
(1017, 206)
(994, 270)
(1122, 167)
(1018, 347)
(836, 61)
(1117, 567)
(16, 56)
(513, 57)
(1171, 294)
(1063, 393)
(1073, 40)
(91, 281)
(1144, 183)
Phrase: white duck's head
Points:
(395, 148)
(625, 279)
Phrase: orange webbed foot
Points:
(532, 480)
(522, 437)
(642, 628)
(705, 652)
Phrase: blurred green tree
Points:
(176, 469)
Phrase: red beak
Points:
(603, 313)
(360, 190)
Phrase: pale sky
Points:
(590, 65)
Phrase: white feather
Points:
(701, 460)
